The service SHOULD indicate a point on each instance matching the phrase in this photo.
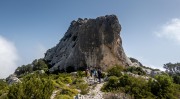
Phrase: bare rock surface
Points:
(12, 79)
(89, 42)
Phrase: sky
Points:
(150, 28)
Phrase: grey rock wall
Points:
(89, 42)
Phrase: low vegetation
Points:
(159, 87)
(36, 85)
(3, 87)
(135, 70)
(115, 71)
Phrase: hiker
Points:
(99, 75)
(94, 74)
(87, 73)
(91, 72)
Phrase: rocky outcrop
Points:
(12, 79)
(135, 62)
(89, 42)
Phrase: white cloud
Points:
(8, 57)
(170, 30)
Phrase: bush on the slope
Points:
(80, 84)
(81, 74)
(161, 87)
(112, 84)
(136, 87)
(3, 87)
(68, 80)
(176, 78)
(33, 87)
(115, 71)
(84, 88)
(135, 70)
(23, 70)
(63, 97)
(68, 92)
(39, 64)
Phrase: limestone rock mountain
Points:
(89, 42)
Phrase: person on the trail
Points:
(94, 74)
(99, 75)
(91, 72)
(87, 73)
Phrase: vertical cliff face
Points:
(89, 42)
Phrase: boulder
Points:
(135, 62)
(89, 43)
(12, 79)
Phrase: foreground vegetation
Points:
(41, 85)
(160, 87)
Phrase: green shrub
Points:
(81, 74)
(176, 79)
(23, 70)
(162, 86)
(136, 87)
(3, 87)
(58, 84)
(177, 90)
(78, 81)
(33, 87)
(68, 80)
(115, 71)
(63, 97)
(103, 75)
(112, 84)
(84, 88)
(125, 81)
(39, 64)
(68, 91)
(135, 70)
(80, 84)
(4, 96)
(16, 91)
(64, 75)
(113, 81)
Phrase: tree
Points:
(39, 64)
(24, 69)
(162, 86)
(176, 79)
(174, 71)
(115, 71)
(172, 68)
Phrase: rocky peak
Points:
(89, 42)
(135, 62)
